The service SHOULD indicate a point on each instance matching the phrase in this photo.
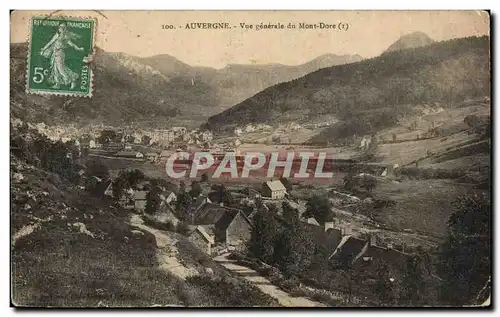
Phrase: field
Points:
(421, 205)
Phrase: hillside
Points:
(237, 82)
(152, 91)
(125, 90)
(73, 248)
(412, 40)
(371, 94)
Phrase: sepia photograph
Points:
(275, 159)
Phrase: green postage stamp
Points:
(59, 56)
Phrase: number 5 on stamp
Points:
(60, 50)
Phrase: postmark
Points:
(59, 55)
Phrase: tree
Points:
(289, 213)
(220, 194)
(130, 138)
(319, 207)
(370, 154)
(264, 232)
(465, 263)
(119, 185)
(384, 285)
(107, 136)
(273, 209)
(145, 140)
(286, 183)
(97, 169)
(184, 200)
(134, 176)
(293, 249)
(153, 200)
(413, 281)
(126, 179)
(195, 189)
(204, 178)
(368, 183)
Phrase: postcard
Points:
(250, 159)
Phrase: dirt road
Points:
(166, 250)
(265, 285)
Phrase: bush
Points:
(182, 228)
(235, 292)
(152, 222)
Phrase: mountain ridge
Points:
(378, 88)
(156, 90)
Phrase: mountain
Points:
(412, 40)
(126, 90)
(237, 82)
(373, 93)
(154, 91)
(328, 60)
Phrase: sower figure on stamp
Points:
(60, 74)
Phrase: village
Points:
(222, 218)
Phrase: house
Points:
(127, 199)
(249, 128)
(373, 256)
(365, 142)
(207, 136)
(109, 190)
(197, 204)
(238, 131)
(98, 185)
(143, 185)
(129, 154)
(200, 238)
(326, 237)
(169, 197)
(140, 200)
(151, 156)
(179, 130)
(274, 189)
(312, 221)
(348, 251)
(227, 226)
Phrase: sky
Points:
(369, 33)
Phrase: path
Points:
(166, 250)
(264, 284)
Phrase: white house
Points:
(238, 131)
(169, 197)
(207, 136)
(274, 189)
(365, 142)
(249, 128)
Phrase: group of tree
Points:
(286, 245)
(220, 194)
(465, 264)
(360, 184)
(153, 200)
(184, 200)
(126, 179)
(108, 136)
(320, 208)
(38, 150)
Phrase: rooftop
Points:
(275, 185)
